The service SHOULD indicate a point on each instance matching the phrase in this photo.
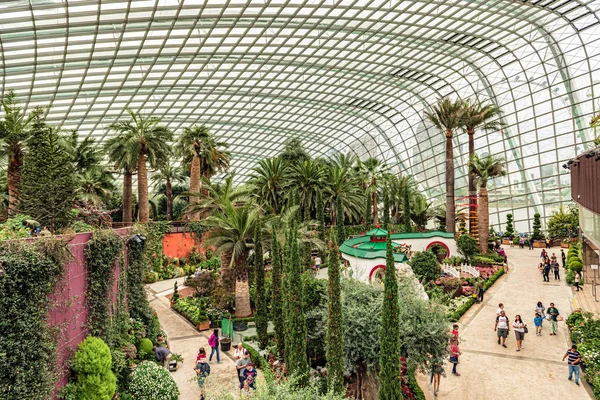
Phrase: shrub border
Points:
(460, 311)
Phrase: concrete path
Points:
(489, 371)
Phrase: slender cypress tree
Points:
(368, 211)
(339, 216)
(335, 323)
(287, 250)
(406, 211)
(320, 217)
(389, 332)
(297, 363)
(262, 313)
(386, 210)
(277, 295)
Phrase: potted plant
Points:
(175, 296)
(203, 323)
(510, 232)
(225, 344)
(176, 359)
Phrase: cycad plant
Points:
(484, 169)
(447, 116)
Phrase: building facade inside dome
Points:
(342, 75)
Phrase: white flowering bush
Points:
(151, 382)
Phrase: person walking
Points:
(519, 327)
(539, 308)
(250, 376)
(563, 257)
(521, 242)
(556, 269)
(437, 370)
(546, 273)
(543, 255)
(553, 314)
(241, 367)
(479, 289)
(574, 358)
(318, 263)
(547, 243)
(239, 351)
(202, 370)
(530, 243)
(454, 354)
(501, 327)
(500, 309)
(577, 281)
(538, 321)
(213, 342)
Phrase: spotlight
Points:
(569, 163)
(597, 158)
(565, 166)
(590, 154)
(137, 239)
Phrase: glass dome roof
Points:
(341, 75)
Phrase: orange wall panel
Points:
(178, 245)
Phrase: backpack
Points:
(204, 369)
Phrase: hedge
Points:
(415, 388)
(494, 278)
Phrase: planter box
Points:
(506, 241)
(539, 244)
(204, 326)
(564, 245)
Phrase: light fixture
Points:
(590, 154)
(565, 166)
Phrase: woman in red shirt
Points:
(454, 353)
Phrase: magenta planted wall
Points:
(69, 311)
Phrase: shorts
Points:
(520, 335)
(502, 332)
(201, 382)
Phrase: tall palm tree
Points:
(14, 131)
(231, 231)
(220, 193)
(124, 160)
(146, 138)
(306, 177)
(96, 186)
(372, 171)
(484, 169)
(204, 155)
(343, 183)
(168, 174)
(269, 182)
(447, 116)
(477, 116)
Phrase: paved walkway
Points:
(489, 371)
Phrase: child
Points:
(437, 370)
(538, 324)
(201, 357)
(454, 353)
(249, 375)
(202, 370)
(454, 333)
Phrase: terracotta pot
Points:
(506, 241)
(564, 245)
(539, 244)
(204, 326)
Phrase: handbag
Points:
(526, 330)
(454, 359)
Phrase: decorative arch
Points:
(375, 268)
(444, 245)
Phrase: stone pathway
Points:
(489, 371)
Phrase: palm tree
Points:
(95, 186)
(168, 174)
(306, 177)
(219, 194)
(343, 183)
(125, 160)
(146, 138)
(14, 131)
(477, 116)
(204, 155)
(420, 211)
(447, 115)
(372, 170)
(269, 182)
(231, 231)
(484, 169)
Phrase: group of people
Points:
(550, 264)
(502, 325)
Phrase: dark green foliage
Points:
(101, 254)
(262, 312)
(425, 266)
(296, 323)
(92, 364)
(494, 278)
(335, 323)
(285, 289)
(389, 332)
(386, 209)
(467, 246)
(320, 217)
(277, 295)
(455, 315)
(510, 231)
(537, 227)
(27, 347)
(294, 152)
(368, 211)
(314, 298)
(407, 227)
(339, 220)
(175, 296)
(564, 223)
(48, 179)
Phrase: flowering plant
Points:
(151, 382)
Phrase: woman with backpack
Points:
(519, 327)
(202, 370)
(213, 342)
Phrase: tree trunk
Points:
(127, 196)
(144, 207)
(484, 220)
(473, 230)
(375, 211)
(203, 187)
(14, 181)
(194, 187)
(450, 206)
(227, 278)
(169, 196)
(242, 288)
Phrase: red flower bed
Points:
(486, 271)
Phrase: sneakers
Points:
(504, 346)
(498, 340)
(570, 377)
(577, 383)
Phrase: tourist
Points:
(318, 263)
(530, 243)
(163, 356)
(437, 370)
(500, 309)
(454, 333)
(521, 242)
(539, 308)
(546, 274)
(238, 352)
(213, 342)
(537, 321)
(563, 256)
(553, 258)
(161, 341)
(543, 255)
(479, 289)
(541, 268)
(574, 358)
(202, 370)
(547, 243)
(201, 355)
(556, 269)
(501, 327)
(553, 317)
(520, 327)
(578, 281)
(241, 366)
(250, 376)
(454, 354)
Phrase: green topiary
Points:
(576, 266)
(467, 246)
(92, 364)
(145, 347)
(425, 266)
(151, 382)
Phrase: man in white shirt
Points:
(500, 309)
(318, 263)
(501, 327)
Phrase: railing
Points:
(470, 270)
(450, 270)
(455, 273)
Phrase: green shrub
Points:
(467, 246)
(570, 276)
(92, 364)
(576, 266)
(494, 278)
(454, 260)
(145, 348)
(425, 266)
(455, 316)
(149, 381)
